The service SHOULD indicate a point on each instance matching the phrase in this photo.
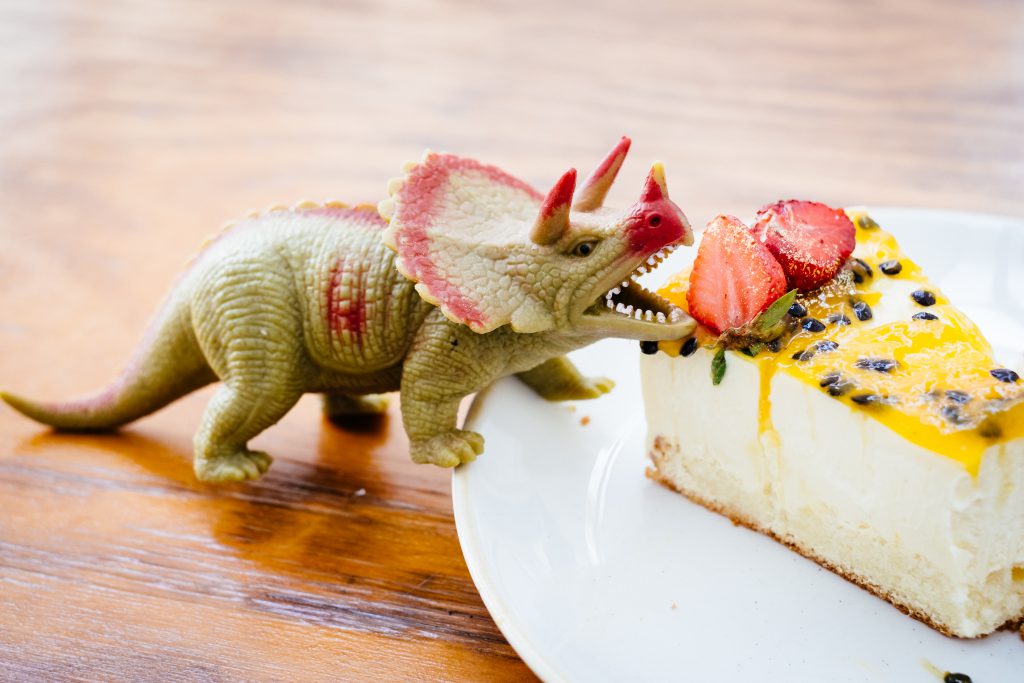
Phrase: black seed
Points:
(990, 429)
(839, 388)
(775, 345)
(858, 278)
(862, 311)
(865, 399)
(806, 354)
(923, 297)
(958, 397)
(826, 346)
(952, 413)
(876, 364)
(689, 346)
(1005, 375)
(925, 315)
(649, 347)
(866, 222)
(956, 678)
(838, 319)
(865, 269)
(892, 267)
(797, 310)
(813, 325)
(830, 378)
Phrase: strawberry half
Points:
(811, 241)
(734, 278)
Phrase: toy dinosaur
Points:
(465, 275)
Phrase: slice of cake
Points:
(861, 420)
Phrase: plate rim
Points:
(465, 527)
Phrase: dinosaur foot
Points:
(236, 466)
(449, 449)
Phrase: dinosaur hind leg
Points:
(237, 413)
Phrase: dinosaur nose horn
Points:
(553, 220)
(596, 187)
(655, 188)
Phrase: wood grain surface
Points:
(132, 129)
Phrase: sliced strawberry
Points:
(811, 241)
(734, 277)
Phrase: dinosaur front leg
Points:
(558, 379)
(430, 424)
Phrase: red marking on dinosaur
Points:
(559, 197)
(610, 165)
(655, 220)
(354, 317)
(419, 202)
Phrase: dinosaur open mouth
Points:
(630, 299)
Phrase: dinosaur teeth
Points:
(625, 283)
(638, 315)
(609, 303)
(661, 317)
(648, 316)
(620, 308)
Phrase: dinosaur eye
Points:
(584, 248)
(654, 219)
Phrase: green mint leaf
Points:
(774, 313)
(718, 366)
(756, 348)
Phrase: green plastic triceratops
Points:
(465, 275)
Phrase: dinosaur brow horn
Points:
(553, 219)
(596, 187)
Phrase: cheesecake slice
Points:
(876, 435)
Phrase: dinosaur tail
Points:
(167, 365)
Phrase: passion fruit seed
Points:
(876, 364)
(990, 429)
(891, 267)
(1005, 375)
(956, 678)
(860, 269)
(689, 346)
(838, 319)
(825, 346)
(866, 399)
(952, 413)
(830, 378)
(925, 315)
(836, 384)
(813, 325)
(958, 397)
(775, 345)
(797, 310)
(649, 347)
(862, 311)
(923, 297)
(866, 222)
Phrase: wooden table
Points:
(131, 130)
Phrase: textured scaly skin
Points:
(309, 299)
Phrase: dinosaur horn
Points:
(553, 219)
(655, 187)
(593, 192)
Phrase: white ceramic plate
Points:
(593, 572)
